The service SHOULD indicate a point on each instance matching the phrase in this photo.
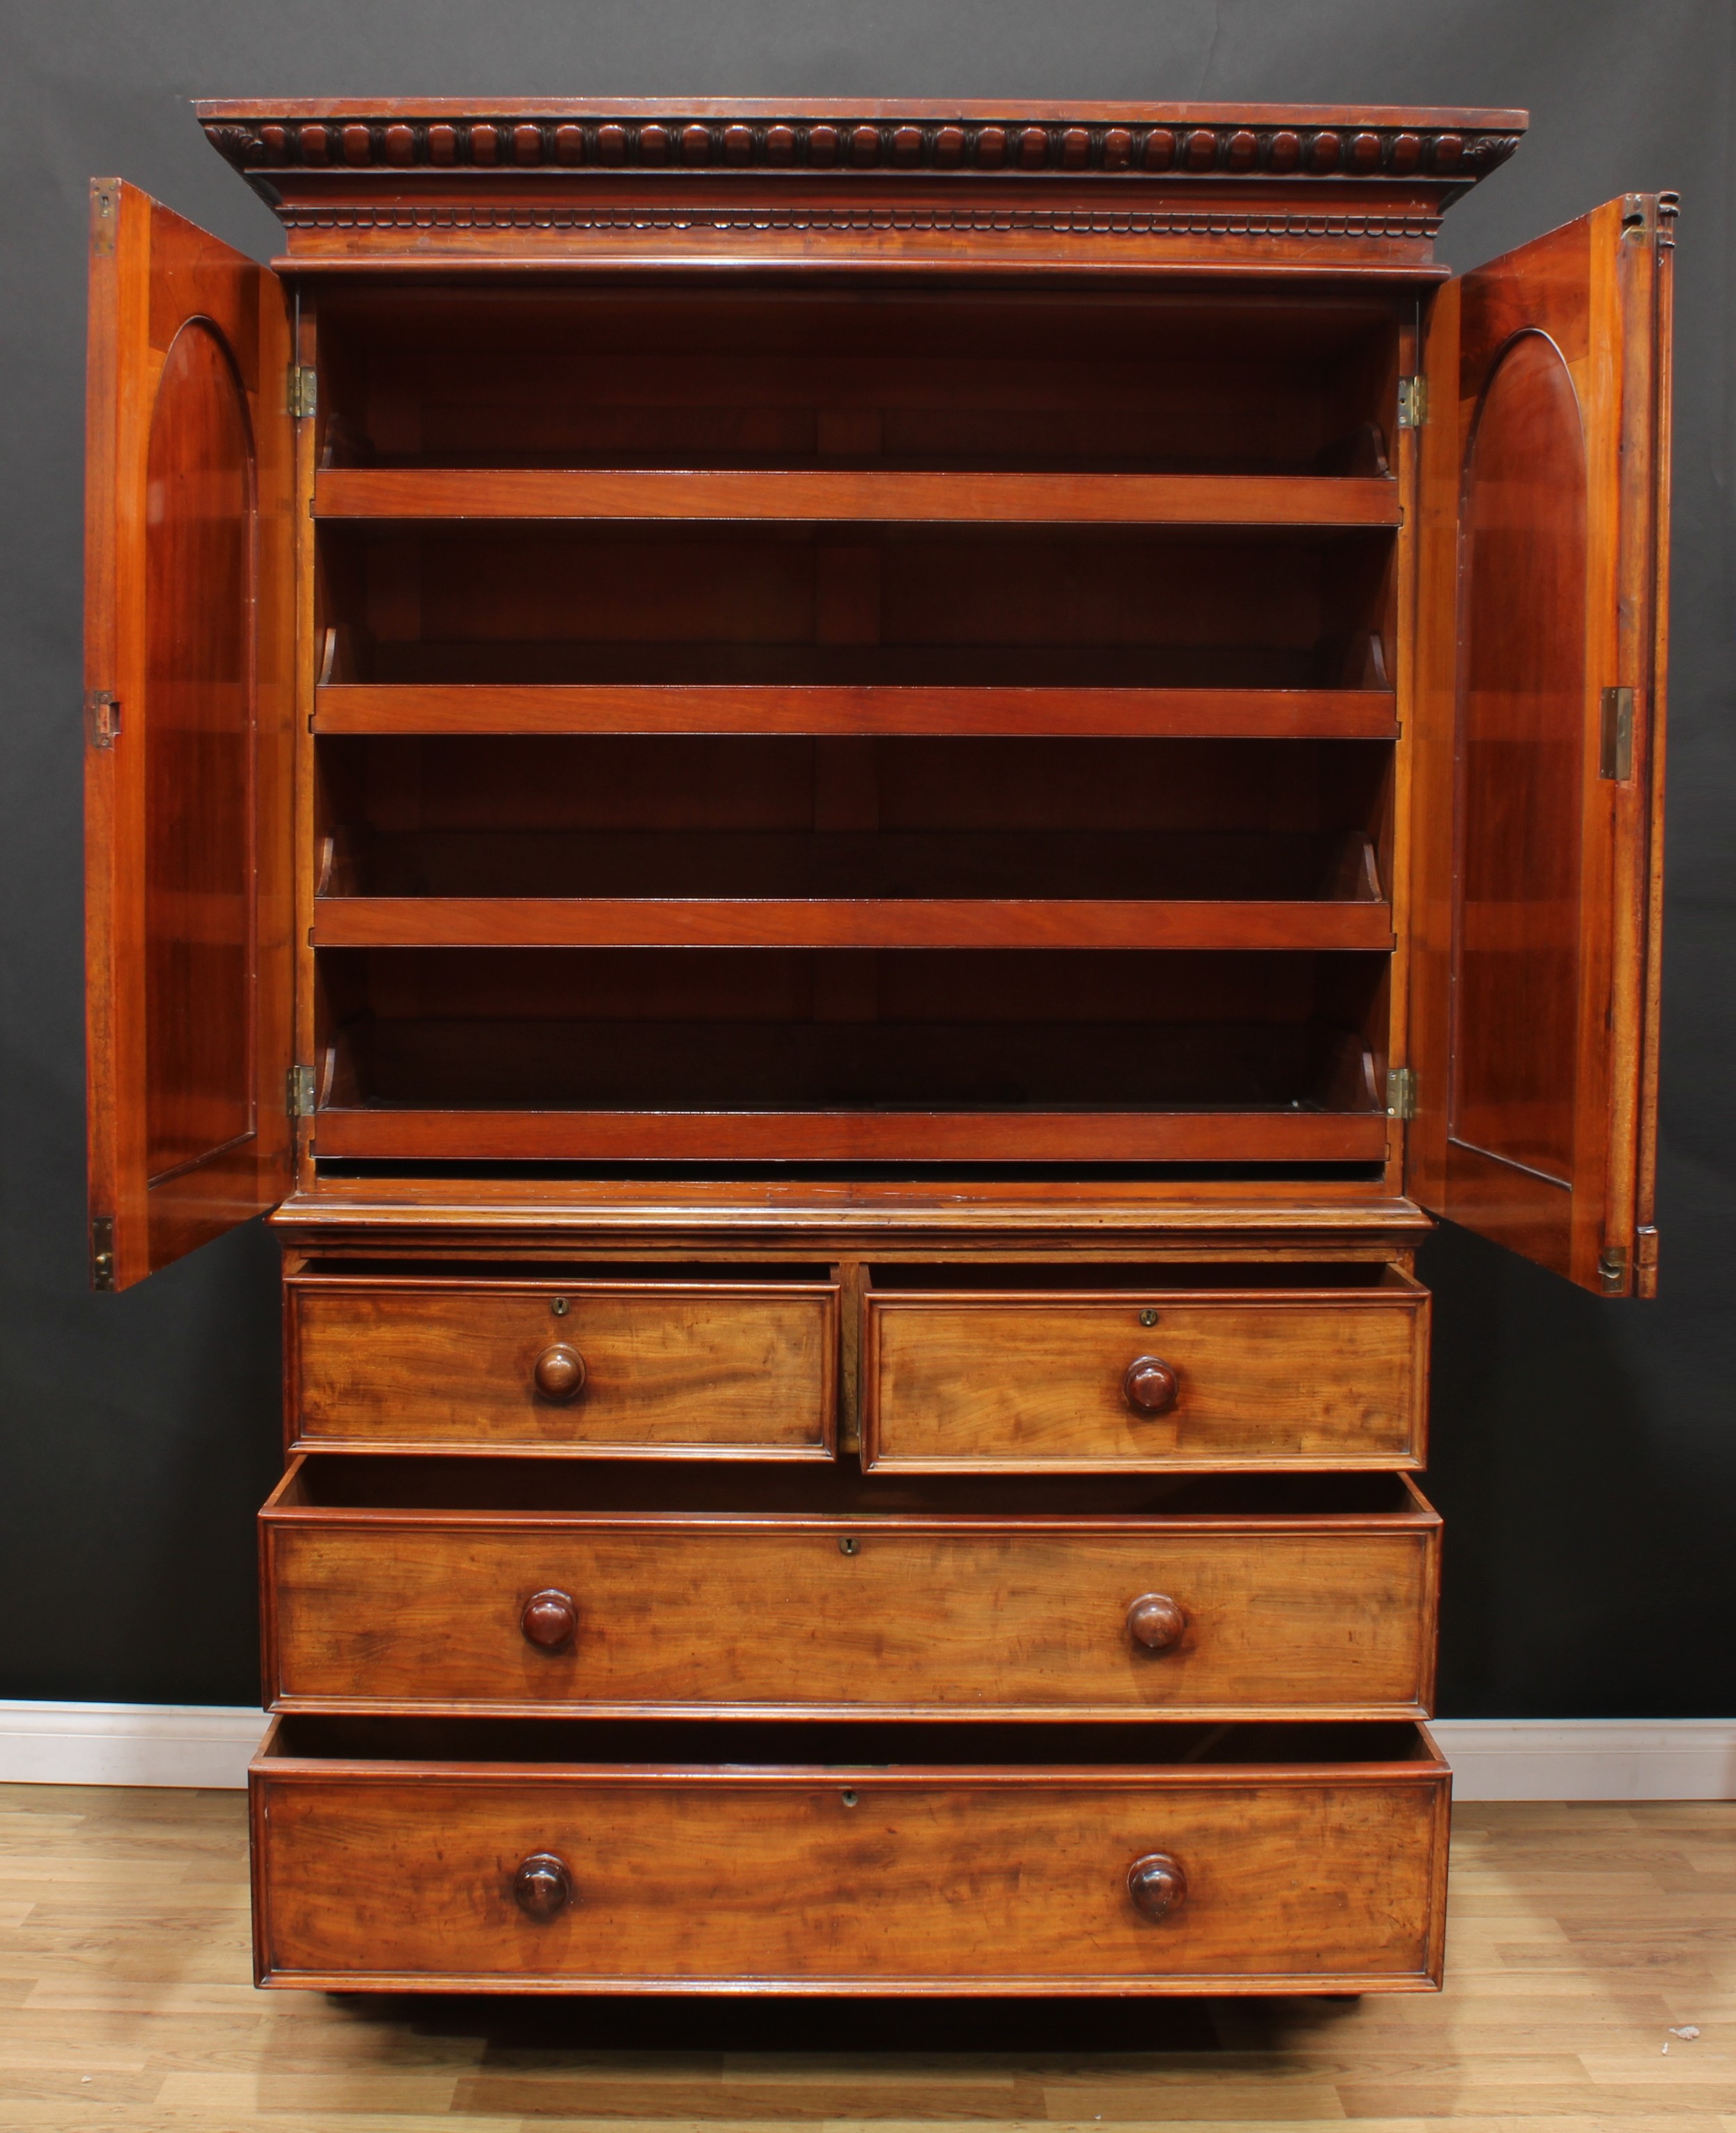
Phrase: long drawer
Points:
(456, 1586)
(563, 1858)
(646, 1366)
(978, 1379)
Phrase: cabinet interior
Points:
(549, 886)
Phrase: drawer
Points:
(1093, 1380)
(732, 1369)
(456, 1586)
(569, 1858)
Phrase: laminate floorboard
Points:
(1580, 1938)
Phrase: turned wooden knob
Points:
(559, 1372)
(1151, 1384)
(550, 1618)
(1154, 1622)
(1157, 1884)
(543, 1886)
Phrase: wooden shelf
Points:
(531, 921)
(966, 498)
(865, 711)
(844, 1136)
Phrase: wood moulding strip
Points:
(867, 710)
(599, 922)
(839, 1136)
(1049, 499)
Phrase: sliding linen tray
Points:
(391, 1855)
(398, 1585)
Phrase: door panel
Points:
(188, 670)
(1540, 728)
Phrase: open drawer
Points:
(534, 1587)
(568, 1858)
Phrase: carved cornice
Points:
(418, 184)
(977, 146)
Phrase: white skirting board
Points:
(1492, 1759)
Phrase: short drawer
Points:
(641, 1368)
(564, 1858)
(456, 1586)
(1087, 1380)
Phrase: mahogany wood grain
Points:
(1538, 905)
(1081, 923)
(1013, 1135)
(432, 707)
(957, 1382)
(1301, 1876)
(188, 671)
(729, 1368)
(775, 1613)
(974, 499)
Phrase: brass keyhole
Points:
(848, 1799)
(1148, 1317)
(848, 1544)
(559, 1306)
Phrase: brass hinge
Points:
(1615, 757)
(298, 1095)
(1402, 1092)
(1413, 402)
(102, 717)
(304, 390)
(1612, 1268)
(104, 215)
(102, 1251)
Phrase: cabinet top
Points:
(636, 182)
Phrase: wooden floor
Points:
(1581, 1937)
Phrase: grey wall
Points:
(1585, 1456)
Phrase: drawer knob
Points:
(1157, 1884)
(543, 1886)
(1154, 1622)
(1151, 1384)
(559, 1372)
(550, 1618)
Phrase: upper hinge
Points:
(1402, 1092)
(105, 213)
(1615, 756)
(102, 1251)
(304, 390)
(298, 1095)
(102, 717)
(1413, 402)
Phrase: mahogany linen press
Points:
(854, 810)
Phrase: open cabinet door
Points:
(188, 672)
(1540, 708)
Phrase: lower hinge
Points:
(1413, 402)
(304, 391)
(102, 1251)
(1615, 752)
(298, 1095)
(1612, 1269)
(102, 717)
(1402, 1092)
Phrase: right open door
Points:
(1539, 709)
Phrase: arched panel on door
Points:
(197, 737)
(1519, 773)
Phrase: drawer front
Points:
(957, 1881)
(812, 1617)
(1318, 1380)
(662, 1368)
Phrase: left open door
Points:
(189, 638)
